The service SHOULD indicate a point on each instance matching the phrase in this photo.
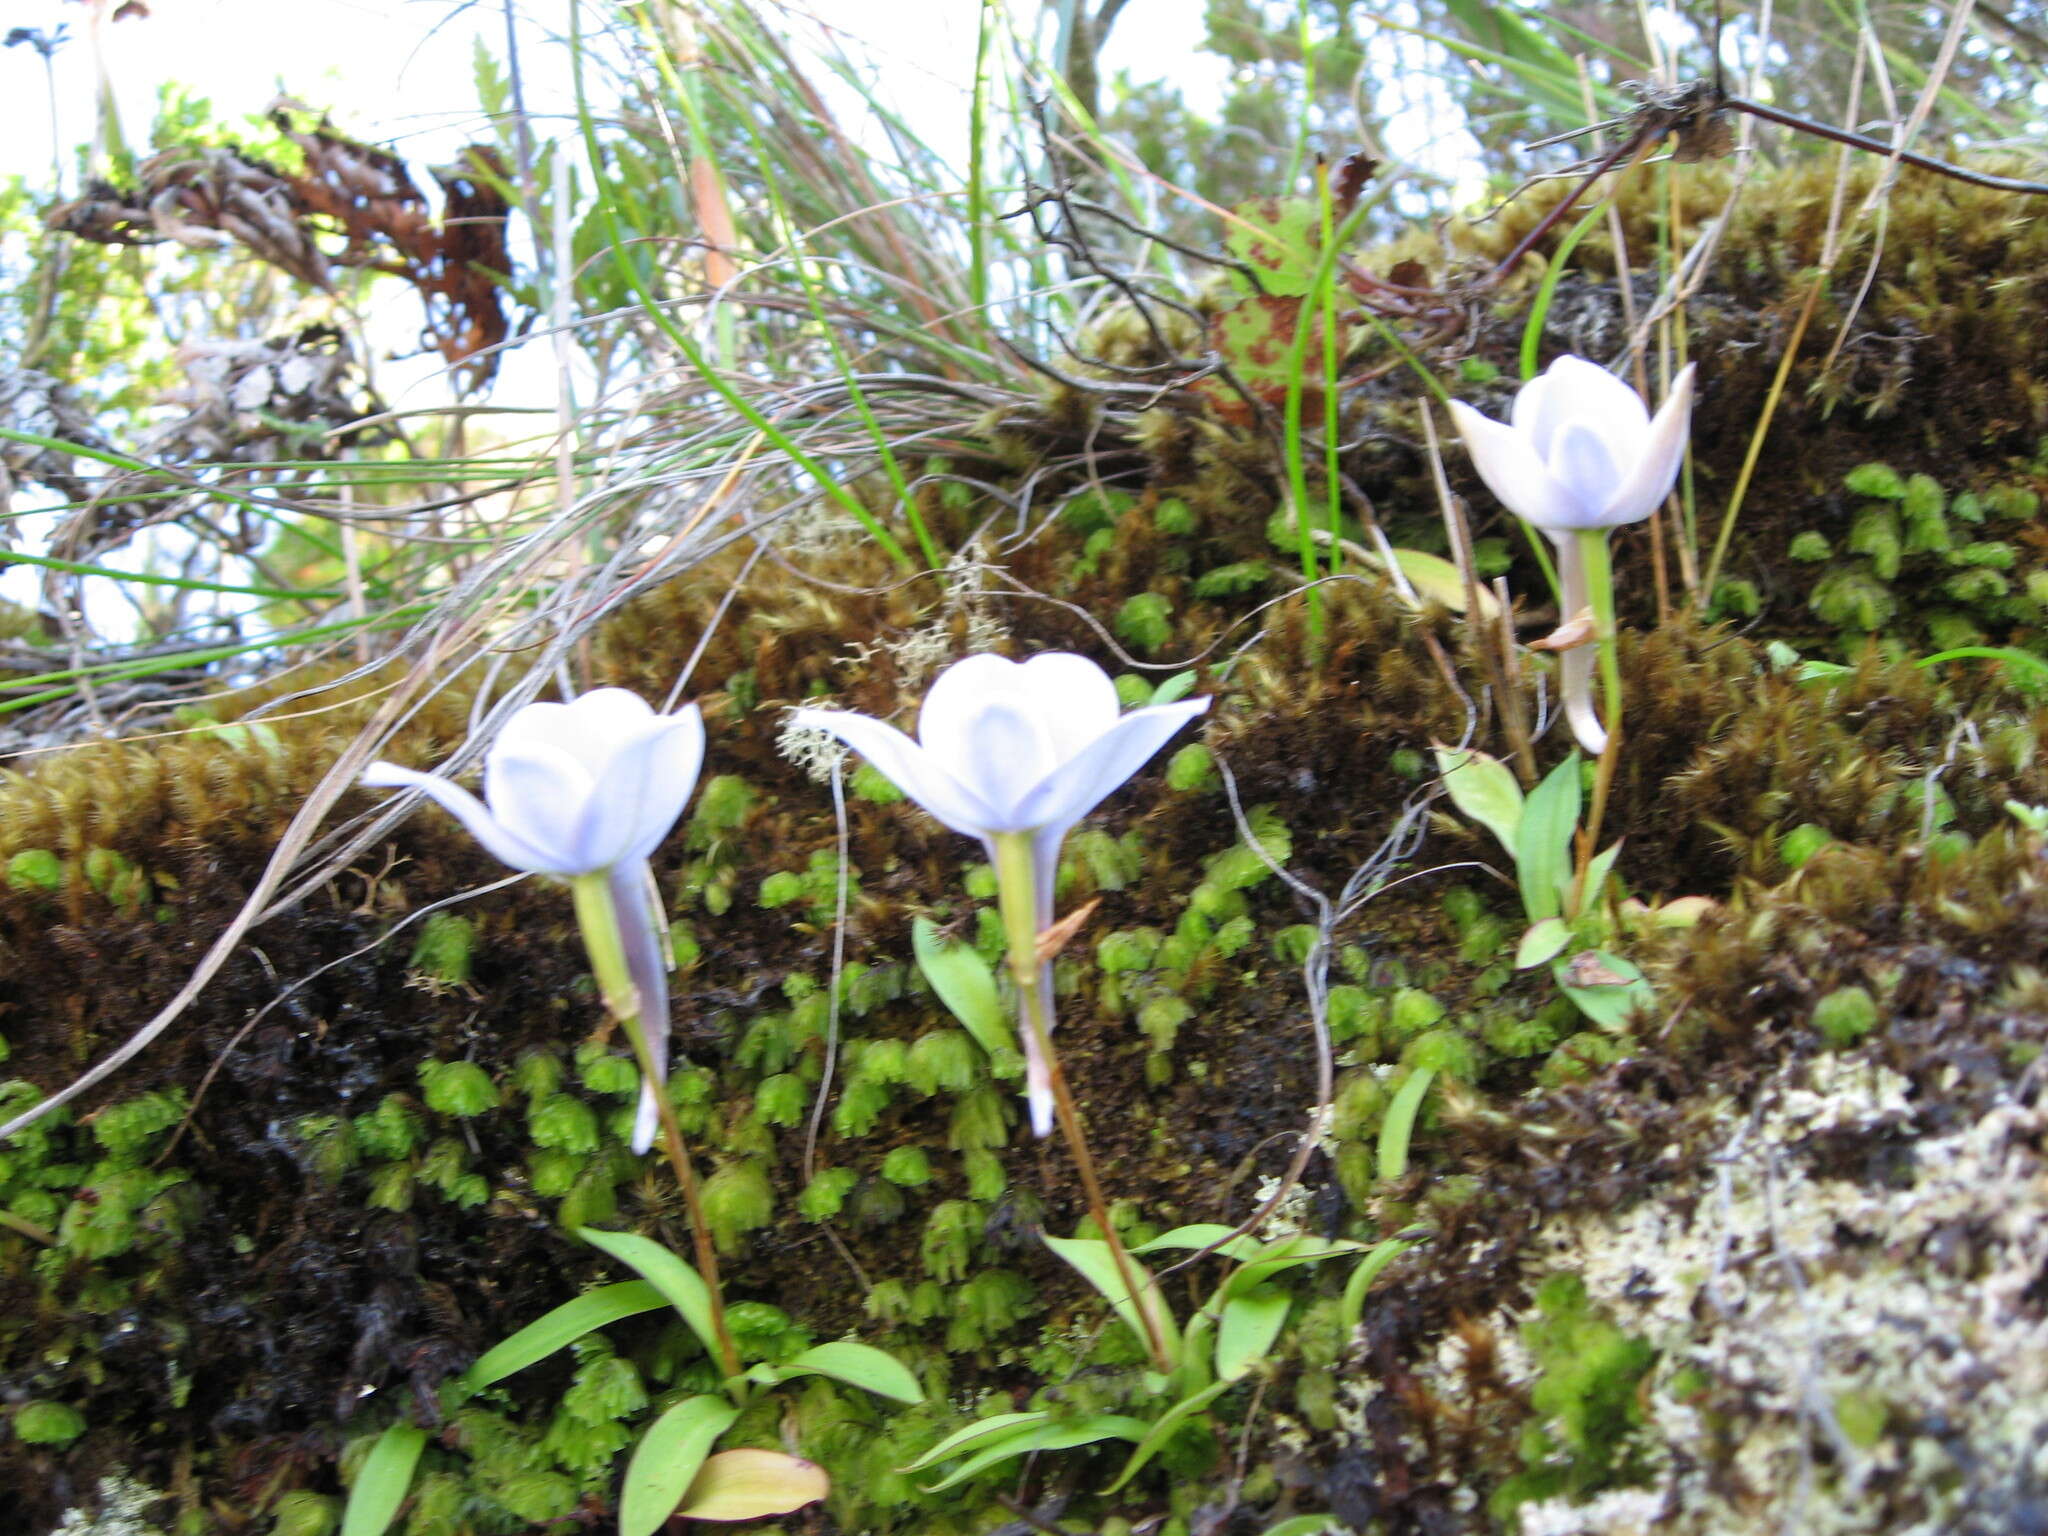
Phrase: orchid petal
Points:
(590, 728)
(1584, 391)
(1072, 697)
(1507, 462)
(642, 790)
(1080, 784)
(1045, 867)
(542, 794)
(906, 765)
(958, 694)
(1575, 666)
(1581, 461)
(643, 935)
(1008, 750)
(1649, 478)
(501, 843)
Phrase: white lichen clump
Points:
(123, 1504)
(1835, 1354)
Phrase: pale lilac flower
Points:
(1580, 450)
(1008, 749)
(579, 789)
(1579, 455)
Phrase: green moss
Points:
(1802, 843)
(605, 1072)
(1879, 480)
(1875, 535)
(869, 783)
(1580, 1057)
(825, 1193)
(1586, 1398)
(47, 1423)
(445, 952)
(1845, 1016)
(989, 1303)
(860, 1105)
(942, 1060)
(782, 1100)
(563, 1123)
(460, 1089)
(910, 1167)
(1145, 622)
(781, 888)
(1444, 1051)
(606, 1387)
(723, 804)
(980, 1121)
(129, 1129)
(1411, 1011)
(1192, 770)
(737, 1199)
(1810, 547)
(950, 1235)
(35, 869)
(984, 1173)
(303, 1513)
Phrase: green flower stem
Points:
(599, 920)
(1017, 897)
(1599, 568)
(27, 1229)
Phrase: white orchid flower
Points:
(585, 791)
(1579, 455)
(1015, 754)
(1580, 450)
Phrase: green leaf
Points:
(1097, 1265)
(748, 1484)
(566, 1324)
(666, 1460)
(1201, 1235)
(1288, 1253)
(1542, 942)
(1543, 842)
(1597, 871)
(386, 1475)
(1484, 788)
(2022, 664)
(1611, 1004)
(974, 1434)
(1351, 1310)
(1399, 1125)
(1175, 687)
(1163, 1429)
(858, 1365)
(680, 1286)
(1440, 581)
(966, 986)
(1251, 1322)
(1046, 1437)
(1304, 1525)
(1280, 237)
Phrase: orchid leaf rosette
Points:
(1015, 754)
(585, 792)
(1580, 454)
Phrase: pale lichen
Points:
(1836, 1354)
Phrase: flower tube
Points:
(585, 792)
(1015, 754)
(1579, 455)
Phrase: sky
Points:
(400, 73)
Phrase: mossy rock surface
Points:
(1760, 1249)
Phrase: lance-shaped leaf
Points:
(666, 1461)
